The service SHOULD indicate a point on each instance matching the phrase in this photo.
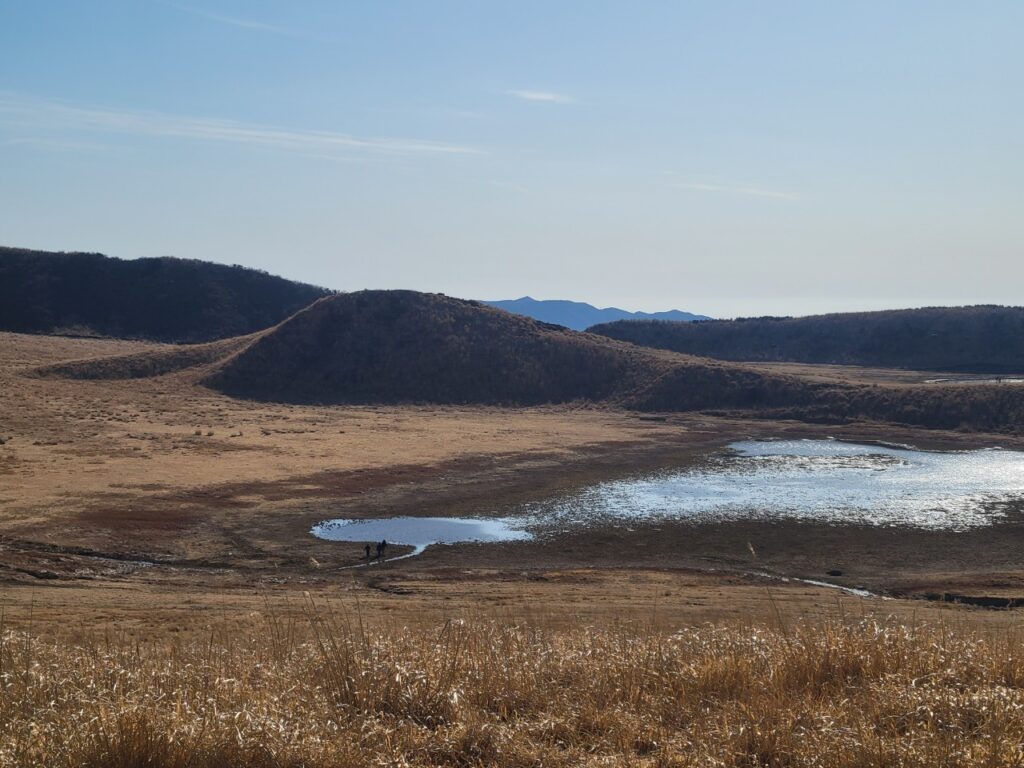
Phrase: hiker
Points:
(382, 546)
(380, 550)
(367, 553)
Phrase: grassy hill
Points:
(407, 347)
(404, 346)
(982, 339)
(410, 347)
(163, 299)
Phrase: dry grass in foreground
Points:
(330, 693)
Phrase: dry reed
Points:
(329, 692)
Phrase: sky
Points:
(727, 158)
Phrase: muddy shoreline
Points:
(151, 500)
(898, 561)
(273, 537)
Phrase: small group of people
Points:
(381, 546)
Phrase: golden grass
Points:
(328, 692)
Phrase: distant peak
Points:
(579, 315)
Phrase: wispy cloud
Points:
(47, 115)
(233, 21)
(54, 145)
(548, 96)
(735, 189)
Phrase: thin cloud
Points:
(47, 115)
(735, 189)
(545, 96)
(233, 21)
(54, 145)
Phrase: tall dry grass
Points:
(328, 692)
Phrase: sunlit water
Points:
(976, 380)
(419, 532)
(820, 480)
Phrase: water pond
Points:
(820, 480)
(419, 532)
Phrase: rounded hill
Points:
(405, 346)
(390, 347)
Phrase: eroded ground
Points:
(155, 505)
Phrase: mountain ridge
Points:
(579, 315)
(970, 339)
(160, 299)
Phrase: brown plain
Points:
(154, 510)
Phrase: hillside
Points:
(981, 339)
(162, 299)
(404, 346)
(384, 347)
(580, 316)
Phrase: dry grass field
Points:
(331, 692)
(164, 605)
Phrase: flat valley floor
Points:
(155, 506)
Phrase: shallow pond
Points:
(419, 532)
(820, 480)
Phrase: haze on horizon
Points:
(724, 158)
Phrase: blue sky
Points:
(729, 158)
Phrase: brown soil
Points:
(156, 505)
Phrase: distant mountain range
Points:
(184, 300)
(181, 300)
(580, 316)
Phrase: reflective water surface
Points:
(820, 480)
(419, 532)
(976, 380)
(823, 480)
